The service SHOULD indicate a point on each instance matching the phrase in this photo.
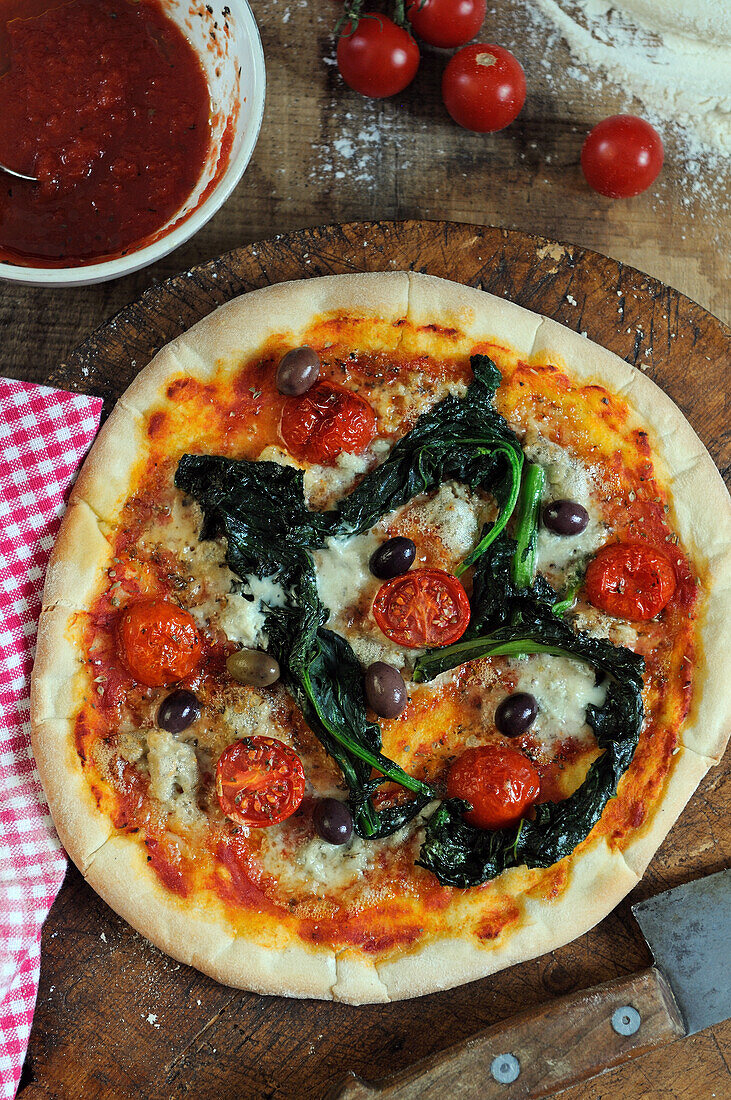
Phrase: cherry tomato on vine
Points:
(160, 641)
(426, 607)
(377, 59)
(622, 156)
(260, 781)
(483, 88)
(446, 23)
(499, 782)
(630, 580)
(325, 421)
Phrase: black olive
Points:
(516, 713)
(385, 689)
(565, 517)
(392, 558)
(333, 821)
(178, 711)
(298, 371)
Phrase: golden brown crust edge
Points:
(599, 879)
(241, 327)
(700, 504)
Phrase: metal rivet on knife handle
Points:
(505, 1069)
(538, 1037)
(626, 1020)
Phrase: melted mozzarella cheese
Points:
(240, 619)
(253, 714)
(411, 397)
(343, 573)
(454, 515)
(347, 588)
(451, 517)
(318, 867)
(273, 453)
(563, 689)
(566, 479)
(600, 625)
(172, 764)
(325, 485)
(242, 616)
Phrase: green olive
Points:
(252, 667)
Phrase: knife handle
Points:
(553, 1046)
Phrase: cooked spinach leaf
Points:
(570, 593)
(260, 509)
(460, 439)
(509, 621)
(326, 680)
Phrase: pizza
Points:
(381, 645)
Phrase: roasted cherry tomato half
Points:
(378, 58)
(426, 607)
(484, 88)
(259, 781)
(622, 156)
(160, 640)
(446, 23)
(326, 421)
(630, 580)
(499, 782)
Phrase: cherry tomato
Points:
(326, 421)
(630, 580)
(260, 781)
(446, 23)
(426, 607)
(500, 783)
(483, 88)
(622, 156)
(378, 58)
(160, 641)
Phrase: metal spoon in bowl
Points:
(18, 175)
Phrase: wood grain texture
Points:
(116, 1019)
(328, 155)
(560, 1043)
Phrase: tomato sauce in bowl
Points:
(107, 103)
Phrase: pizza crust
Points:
(105, 476)
(688, 770)
(196, 932)
(81, 555)
(597, 881)
(281, 313)
(700, 506)
(55, 691)
(81, 828)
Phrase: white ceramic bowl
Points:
(234, 64)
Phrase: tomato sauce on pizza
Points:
(393, 646)
(245, 416)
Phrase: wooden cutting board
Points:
(118, 1019)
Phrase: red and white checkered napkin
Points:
(44, 434)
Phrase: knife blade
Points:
(688, 930)
(573, 1038)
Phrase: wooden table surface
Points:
(325, 155)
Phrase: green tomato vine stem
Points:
(353, 12)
